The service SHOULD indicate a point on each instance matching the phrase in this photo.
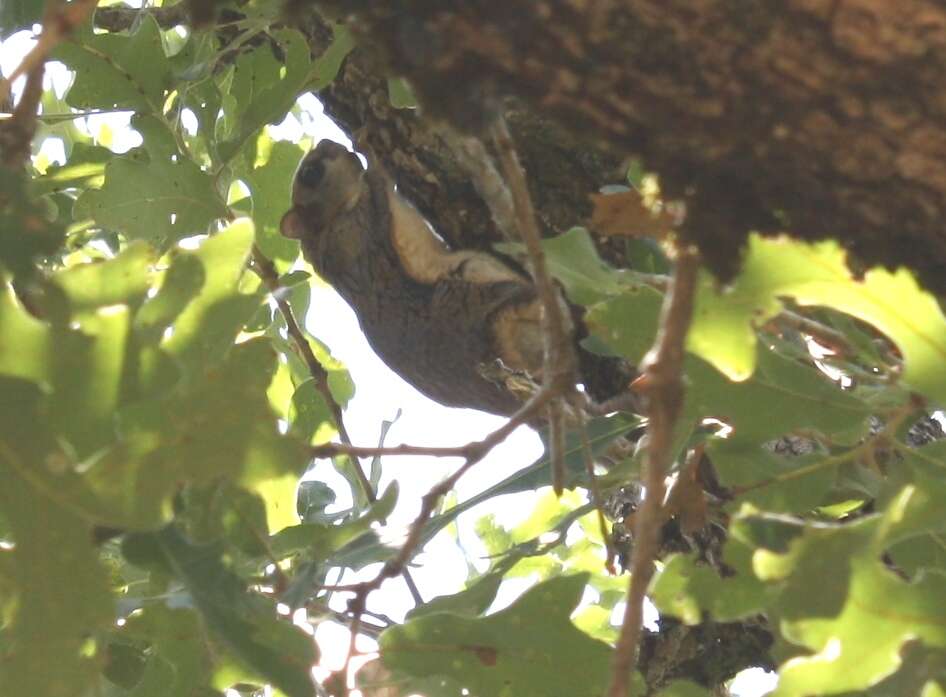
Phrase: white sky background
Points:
(379, 394)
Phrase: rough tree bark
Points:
(822, 118)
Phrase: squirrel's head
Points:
(328, 182)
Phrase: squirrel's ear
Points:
(291, 225)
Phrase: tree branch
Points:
(270, 277)
(662, 383)
(559, 363)
(17, 133)
(59, 21)
(821, 111)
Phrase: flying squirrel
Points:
(435, 316)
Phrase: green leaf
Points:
(796, 395)
(121, 281)
(84, 169)
(400, 93)
(88, 366)
(117, 70)
(309, 411)
(211, 321)
(181, 283)
(181, 657)
(858, 620)
(688, 589)
(160, 200)
(329, 63)
(470, 602)
(270, 184)
(574, 261)
(782, 484)
(816, 274)
(863, 643)
(245, 622)
(626, 324)
(25, 343)
(314, 497)
(19, 14)
(683, 688)
(265, 88)
(519, 650)
(220, 425)
(55, 575)
(318, 541)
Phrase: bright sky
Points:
(379, 394)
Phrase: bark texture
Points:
(822, 118)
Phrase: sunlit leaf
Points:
(688, 589)
(211, 321)
(401, 94)
(862, 644)
(124, 280)
(84, 169)
(269, 185)
(816, 274)
(795, 395)
(56, 577)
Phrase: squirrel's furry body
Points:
(435, 316)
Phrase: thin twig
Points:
(269, 276)
(473, 453)
(267, 272)
(662, 382)
(477, 450)
(16, 135)
(333, 449)
(593, 488)
(558, 358)
(824, 335)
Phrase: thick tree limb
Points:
(820, 117)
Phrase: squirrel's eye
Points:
(312, 172)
